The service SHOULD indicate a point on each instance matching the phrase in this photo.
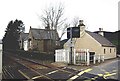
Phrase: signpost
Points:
(72, 32)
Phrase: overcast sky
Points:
(95, 13)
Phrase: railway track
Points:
(34, 70)
(28, 69)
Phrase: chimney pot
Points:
(101, 32)
(100, 29)
(81, 23)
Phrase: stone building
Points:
(43, 40)
(96, 43)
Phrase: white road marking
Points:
(36, 77)
(23, 74)
(52, 72)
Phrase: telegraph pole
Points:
(71, 45)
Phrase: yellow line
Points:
(76, 76)
(84, 71)
(100, 75)
(107, 75)
(88, 80)
(23, 74)
(94, 78)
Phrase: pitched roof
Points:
(44, 34)
(24, 36)
(102, 40)
(62, 42)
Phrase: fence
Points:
(79, 56)
(62, 56)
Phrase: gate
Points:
(81, 57)
(62, 55)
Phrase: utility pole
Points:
(71, 45)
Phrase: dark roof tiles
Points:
(24, 36)
(102, 40)
(44, 34)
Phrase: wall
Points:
(40, 45)
(109, 54)
(87, 42)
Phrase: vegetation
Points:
(12, 34)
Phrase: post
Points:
(103, 58)
(88, 57)
(85, 55)
(99, 58)
(55, 55)
(74, 56)
(68, 58)
(71, 45)
(94, 59)
(1, 61)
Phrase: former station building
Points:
(95, 42)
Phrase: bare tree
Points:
(53, 17)
(64, 29)
(75, 21)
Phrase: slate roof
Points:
(24, 36)
(44, 34)
(102, 40)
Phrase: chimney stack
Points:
(101, 32)
(81, 23)
(100, 29)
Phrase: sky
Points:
(95, 13)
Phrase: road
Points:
(108, 70)
(20, 69)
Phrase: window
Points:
(104, 51)
(110, 50)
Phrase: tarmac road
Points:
(107, 70)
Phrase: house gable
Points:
(88, 42)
